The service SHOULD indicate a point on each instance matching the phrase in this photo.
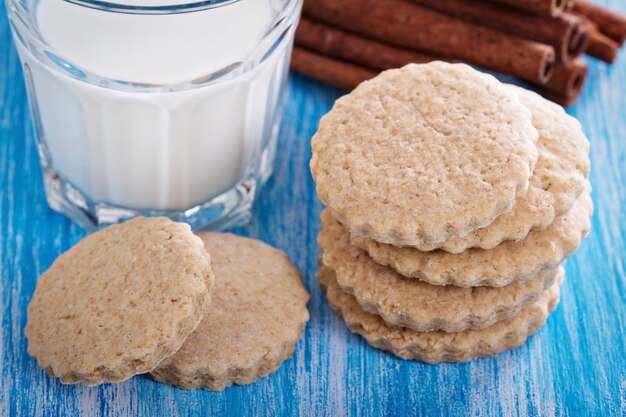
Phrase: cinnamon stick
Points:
(567, 80)
(418, 28)
(347, 76)
(331, 71)
(601, 47)
(557, 98)
(343, 45)
(540, 7)
(609, 23)
(567, 33)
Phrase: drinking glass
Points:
(155, 107)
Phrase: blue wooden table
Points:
(576, 365)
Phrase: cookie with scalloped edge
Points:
(257, 315)
(424, 153)
(119, 302)
(558, 178)
(437, 346)
(507, 263)
(411, 303)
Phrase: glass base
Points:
(229, 209)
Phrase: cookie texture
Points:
(423, 153)
(119, 301)
(257, 315)
(411, 303)
(507, 263)
(558, 178)
(438, 346)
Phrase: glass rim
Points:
(174, 8)
(46, 54)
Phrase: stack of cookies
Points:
(148, 295)
(453, 201)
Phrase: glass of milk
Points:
(155, 107)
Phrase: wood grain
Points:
(575, 366)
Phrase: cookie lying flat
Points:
(257, 314)
(558, 178)
(119, 302)
(411, 303)
(423, 153)
(439, 346)
(507, 263)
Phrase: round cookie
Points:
(437, 346)
(119, 301)
(414, 304)
(257, 315)
(506, 263)
(423, 153)
(558, 178)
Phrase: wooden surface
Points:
(576, 365)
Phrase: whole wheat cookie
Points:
(438, 346)
(119, 302)
(558, 178)
(507, 263)
(424, 153)
(257, 315)
(411, 303)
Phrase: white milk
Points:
(163, 150)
